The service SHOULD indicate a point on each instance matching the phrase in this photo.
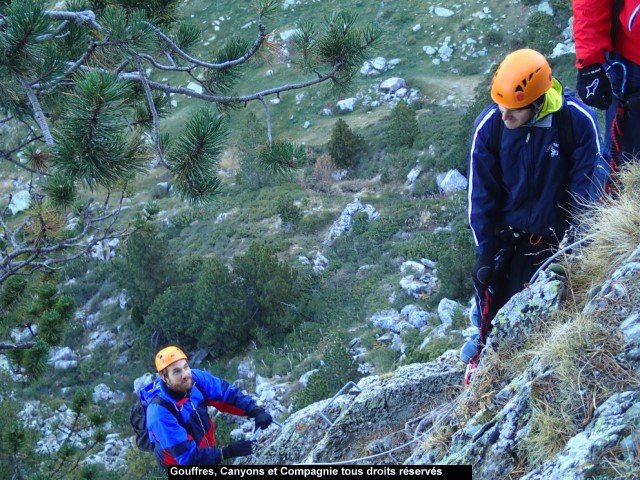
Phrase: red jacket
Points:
(592, 30)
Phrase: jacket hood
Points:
(552, 100)
(148, 392)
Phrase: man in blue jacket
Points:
(524, 182)
(185, 435)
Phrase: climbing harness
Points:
(472, 364)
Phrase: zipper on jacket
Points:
(531, 167)
(204, 430)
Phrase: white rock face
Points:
(347, 104)
(393, 84)
(453, 181)
(196, 87)
(443, 12)
(20, 201)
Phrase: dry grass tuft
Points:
(619, 463)
(615, 227)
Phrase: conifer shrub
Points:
(337, 369)
(315, 222)
(289, 212)
(542, 32)
(404, 125)
(344, 145)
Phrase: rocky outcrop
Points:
(493, 439)
(358, 417)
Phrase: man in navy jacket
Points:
(186, 436)
(524, 183)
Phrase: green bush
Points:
(397, 164)
(359, 223)
(344, 145)
(493, 37)
(542, 32)
(339, 367)
(145, 269)
(313, 222)
(200, 311)
(435, 348)
(253, 173)
(404, 126)
(159, 191)
(453, 252)
(426, 184)
(272, 291)
(289, 213)
(459, 321)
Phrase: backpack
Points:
(138, 420)
(563, 119)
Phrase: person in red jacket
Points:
(607, 39)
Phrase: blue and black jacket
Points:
(523, 180)
(191, 441)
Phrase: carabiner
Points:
(623, 85)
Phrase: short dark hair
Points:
(538, 102)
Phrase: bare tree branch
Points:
(154, 115)
(37, 111)
(16, 346)
(262, 36)
(233, 99)
(85, 17)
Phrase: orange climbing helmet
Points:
(522, 78)
(167, 356)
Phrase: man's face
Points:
(177, 376)
(514, 118)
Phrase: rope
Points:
(395, 449)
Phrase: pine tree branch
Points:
(234, 99)
(7, 156)
(83, 58)
(37, 111)
(154, 115)
(85, 17)
(38, 257)
(16, 346)
(55, 34)
(262, 36)
(172, 68)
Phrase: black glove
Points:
(261, 417)
(241, 448)
(482, 270)
(594, 87)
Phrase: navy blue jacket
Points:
(191, 442)
(528, 183)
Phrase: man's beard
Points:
(184, 386)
